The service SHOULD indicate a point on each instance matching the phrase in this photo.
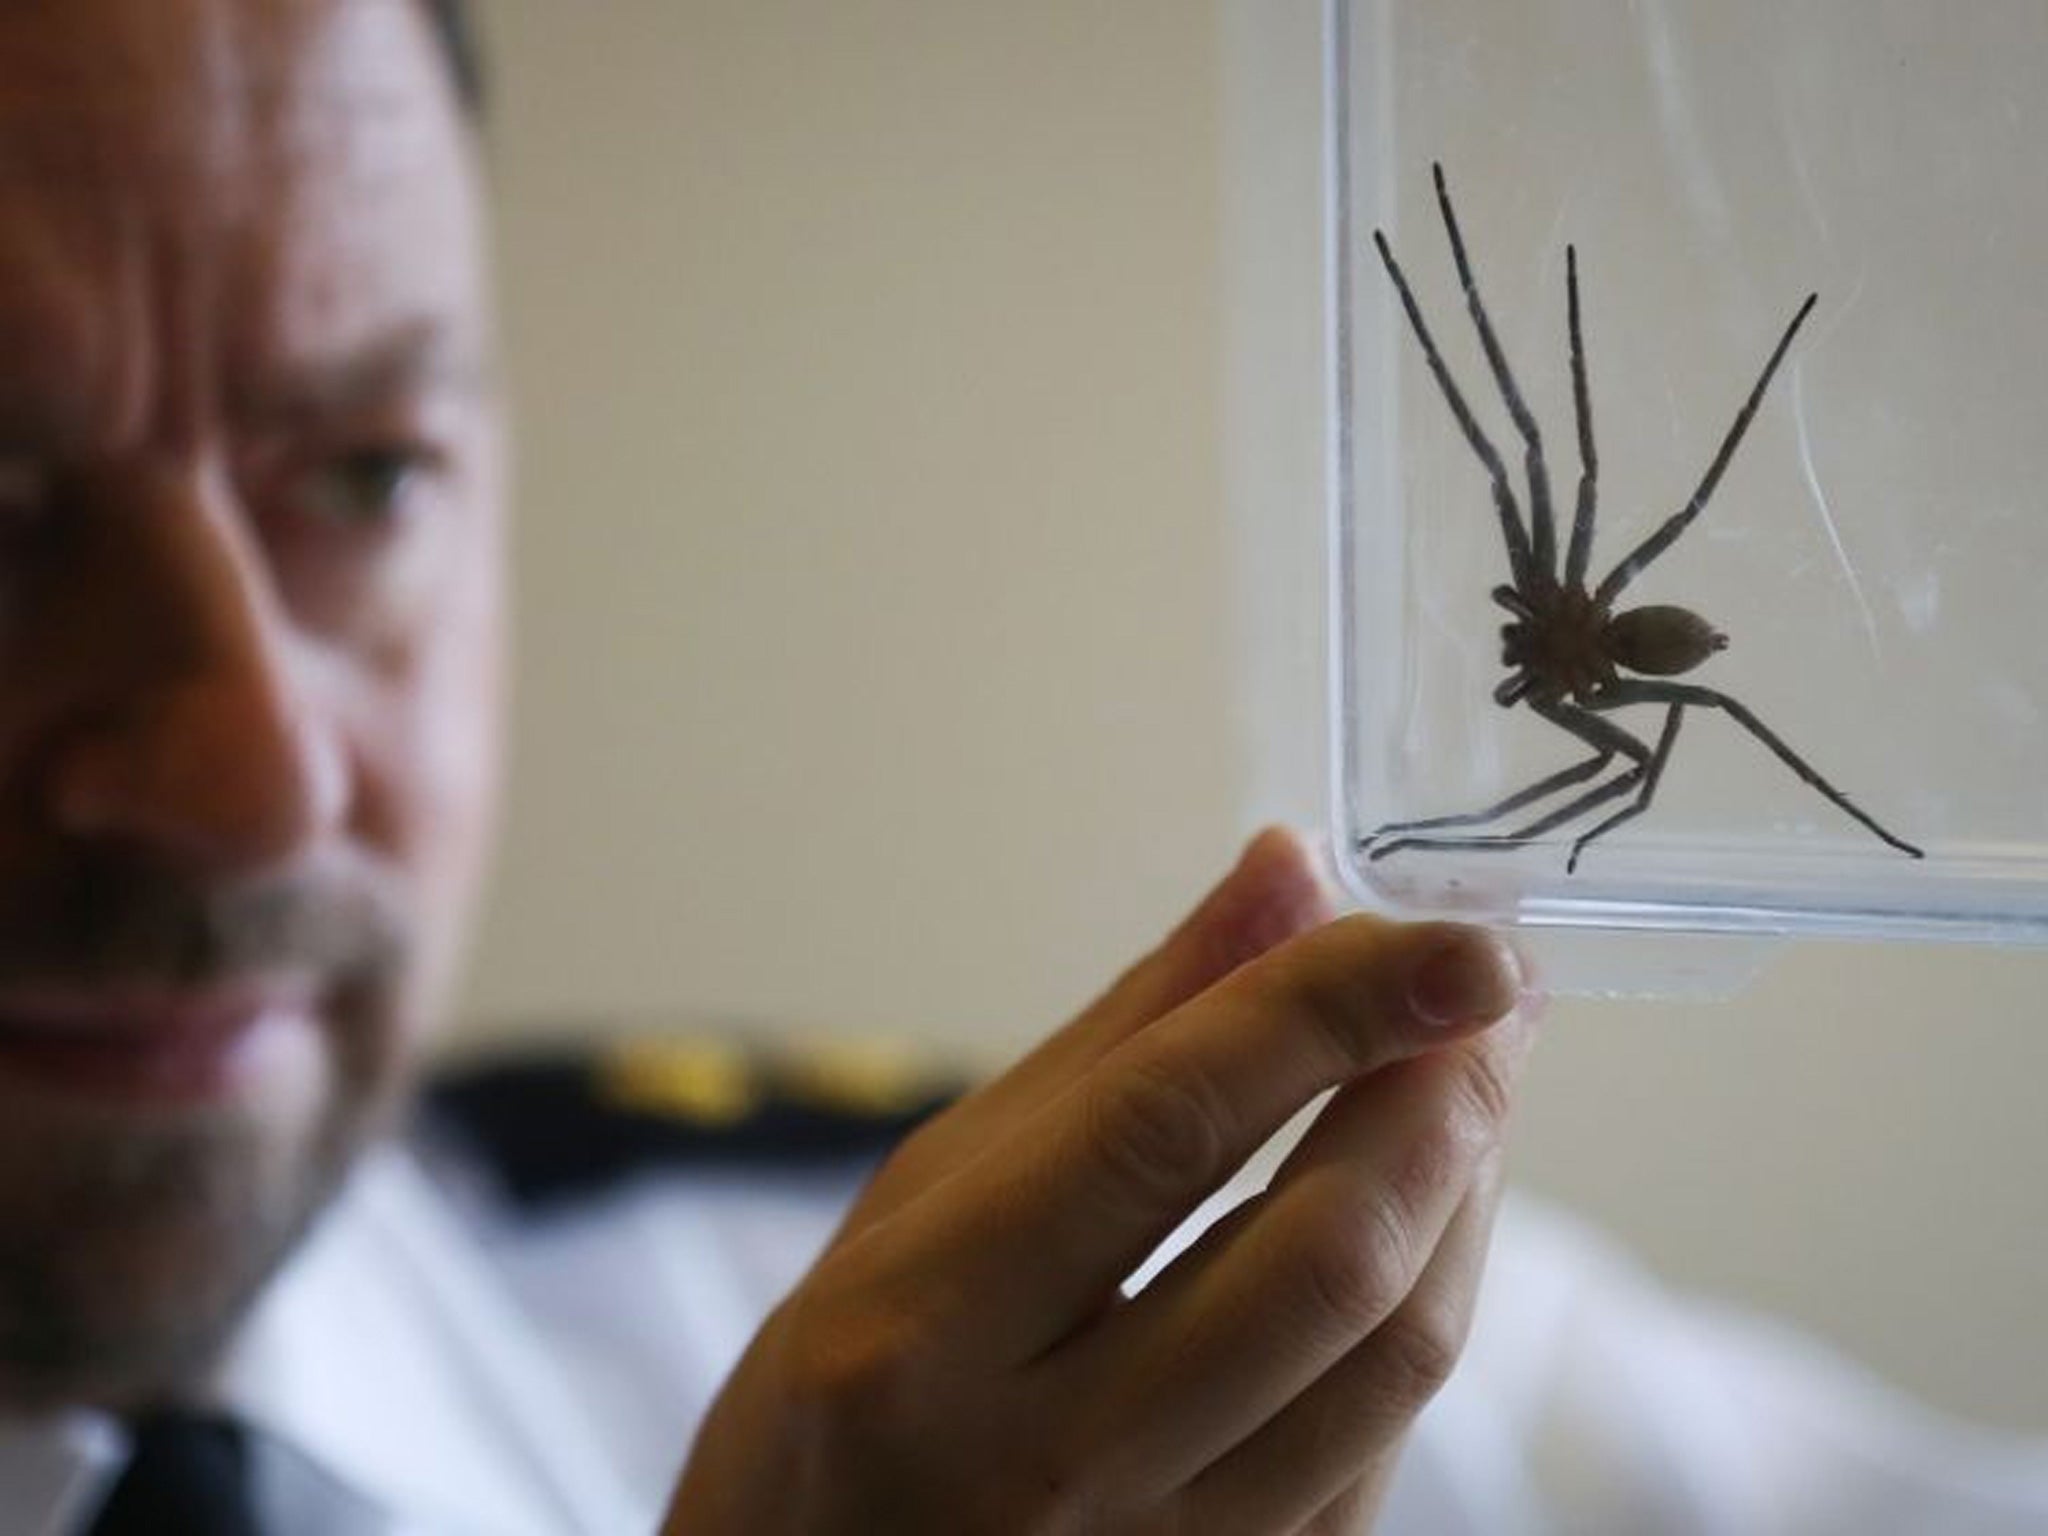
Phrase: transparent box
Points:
(1874, 549)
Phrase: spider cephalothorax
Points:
(1566, 645)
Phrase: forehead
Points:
(213, 152)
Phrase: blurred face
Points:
(249, 644)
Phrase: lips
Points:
(140, 1043)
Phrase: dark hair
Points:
(454, 24)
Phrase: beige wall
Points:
(920, 575)
(873, 556)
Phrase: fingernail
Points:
(1472, 977)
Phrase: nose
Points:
(192, 736)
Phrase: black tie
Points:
(188, 1476)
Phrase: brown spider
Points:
(1566, 644)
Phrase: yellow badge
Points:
(706, 1082)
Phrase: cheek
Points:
(426, 731)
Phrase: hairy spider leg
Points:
(1677, 523)
(1652, 772)
(1500, 842)
(1577, 773)
(1580, 552)
(1512, 532)
(1605, 737)
(1634, 691)
(1542, 526)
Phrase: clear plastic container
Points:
(1876, 547)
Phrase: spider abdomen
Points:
(1660, 640)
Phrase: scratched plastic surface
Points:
(1877, 550)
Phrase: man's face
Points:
(249, 643)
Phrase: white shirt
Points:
(416, 1371)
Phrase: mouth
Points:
(166, 1045)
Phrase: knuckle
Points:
(854, 1370)
(1157, 1132)
(1485, 1085)
(1422, 1184)
(1355, 1281)
(1331, 1011)
(1415, 1352)
(1443, 1154)
(1328, 991)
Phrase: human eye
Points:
(365, 488)
(354, 522)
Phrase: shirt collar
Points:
(52, 1468)
(388, 1354)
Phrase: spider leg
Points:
(1600, 794)
(1580, 553)
(1607, 740)
(1577, 773)
(1632, 691)
(1504, 503)
(1677, 523)
(1652, 772)
(1514, 602)
(1595, 730)
(1542, 526)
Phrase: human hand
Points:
(963, 1357)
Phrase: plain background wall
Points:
(920, 599)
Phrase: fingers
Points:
(1032, 1236)
(1324, 1464)
(1273, 893)
(1243, 1325)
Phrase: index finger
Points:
(1030, 1238)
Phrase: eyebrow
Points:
(419, 356)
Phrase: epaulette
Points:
(562, 1125)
